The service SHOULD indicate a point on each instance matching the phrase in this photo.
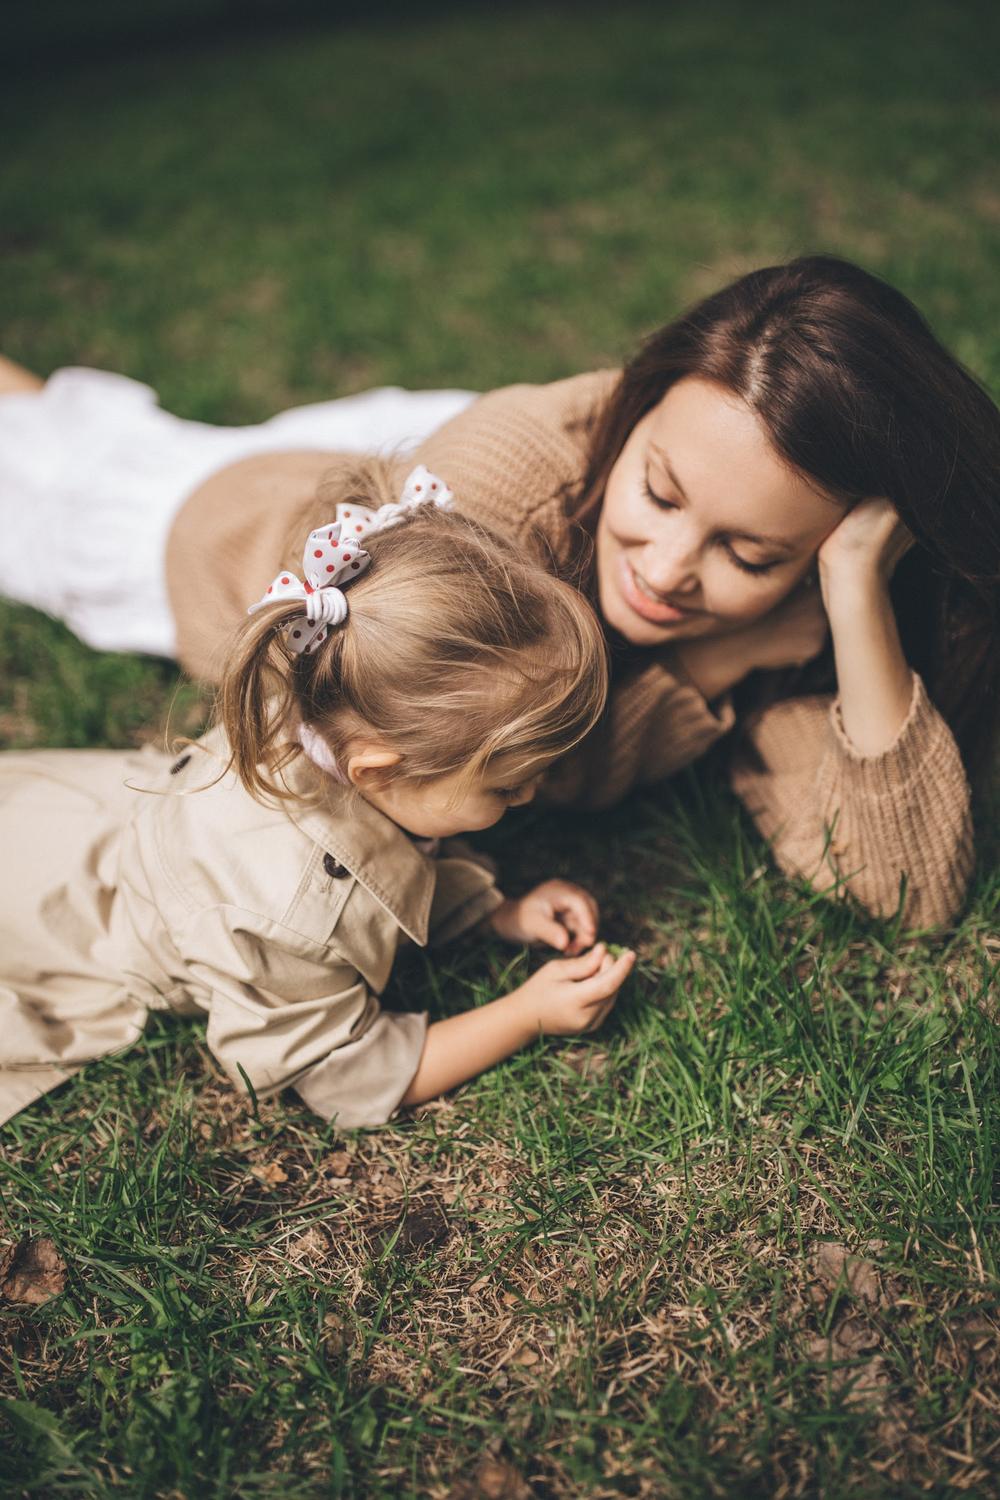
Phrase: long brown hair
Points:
(457, 652)
(857, 393)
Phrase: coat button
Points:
(179, 765)
(333, 868)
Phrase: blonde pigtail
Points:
(257, 701)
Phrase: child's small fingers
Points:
(608, 979)
(548, 930)
(587, 926)
(583, 965)
(576, 923)
(601, 1014)
(576, 904)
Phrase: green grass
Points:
(592, 1271)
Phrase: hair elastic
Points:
(333, 557)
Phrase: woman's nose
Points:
(670, 565)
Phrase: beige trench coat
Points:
(132, 884)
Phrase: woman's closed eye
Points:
(660, 501)
(757, 569)
(663, 502)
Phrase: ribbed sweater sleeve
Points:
(514, 455)
(656, 723)
(831, 814)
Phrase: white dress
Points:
(93, 471)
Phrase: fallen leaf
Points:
(338, 1334)
(854, 1336)
(867, 1383)
(589, 1062)
(835, 1267)
(269, 1173)
(33, 1271)
(861, 1377)
(385, 1186)
(494, 1479)
(312, 1245)
(337, 1164)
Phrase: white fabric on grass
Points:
(93, 471)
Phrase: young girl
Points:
(415, 681)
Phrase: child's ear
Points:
(365, 764)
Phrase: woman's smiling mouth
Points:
(641, 598)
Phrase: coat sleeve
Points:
(465, 892)
(864, 823)
(288, 1012)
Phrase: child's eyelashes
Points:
(508, 793)
(756, 570)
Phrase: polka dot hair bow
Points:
(333, 557)
(421, 488)
(328, 564)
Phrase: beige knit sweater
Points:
(829, 813)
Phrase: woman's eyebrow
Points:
(744, 536)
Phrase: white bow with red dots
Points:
(333, 557)
(421, 487)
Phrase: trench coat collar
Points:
(378, 853)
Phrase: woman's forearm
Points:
(462, 1046)
(874, 680)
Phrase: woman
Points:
(796, 454)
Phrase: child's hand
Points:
(563, 915)
(569, 995)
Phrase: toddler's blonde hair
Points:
(459, 651)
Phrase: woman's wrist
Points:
(849, 588)
(874, 679)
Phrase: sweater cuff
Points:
(694, 719)
(923, 746)
(718, 710)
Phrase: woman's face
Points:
(703, 527)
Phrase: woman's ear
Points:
(366, 762)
